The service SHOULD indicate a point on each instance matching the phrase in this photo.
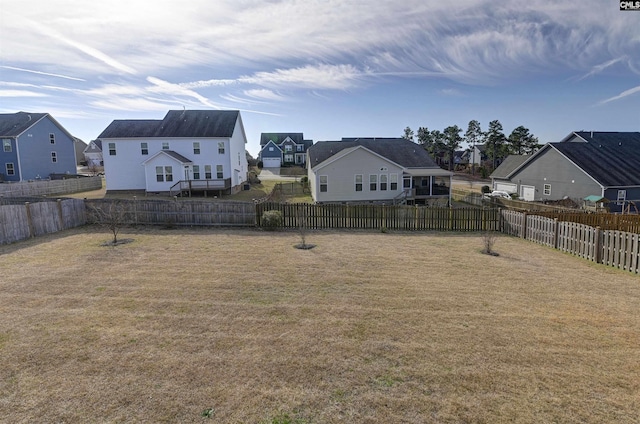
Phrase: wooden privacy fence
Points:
(50, 187)
(361, 216)
(22, 221)
(470, 197)
(606, 221)
(619, 249)
(194, 213)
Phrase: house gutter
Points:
(19, 161)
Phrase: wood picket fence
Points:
(612, 247)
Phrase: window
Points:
(54, 157)
(10, 169)
(383, 182)
(393, 180)
(288, 148)
(164, 173)
(239, 159)
(196, 172)
(196, 147)
(52, 138)
(271, 148)
(6, 145)
(358, 182)
(288, 158)
(406, 182)
(144, 148)
(622, 196)
(165, 145)
(300, 148)
(547, 189)
(323, 184)
(207, 172)
(112, 149)
(221, 147)
(219, 172)
(373, 182)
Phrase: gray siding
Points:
(9, 157)
(35, 151)
(566, 179)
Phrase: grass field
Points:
(231, 326)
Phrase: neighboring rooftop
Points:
(278, 138)
(399, 150)
(177, 124)
(510, 164)
(14, 124)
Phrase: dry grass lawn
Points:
(232, 326)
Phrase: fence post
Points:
(524, 225)
(60, 217)
(598, 252)
(555, 233)
(32, 230)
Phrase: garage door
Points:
(509, 188)
(527, 193)
(271, 162)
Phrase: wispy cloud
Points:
(622, 95)
(49, 74)
(20, 93)
(601, 67)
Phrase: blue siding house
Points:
(34, 146)
(283, 149)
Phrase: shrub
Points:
(486, 189)
(271, 220)
(260, 164)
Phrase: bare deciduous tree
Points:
(488, 240)
(111, 215)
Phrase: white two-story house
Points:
(187, 151)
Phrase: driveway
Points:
(273, 174)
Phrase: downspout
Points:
(19, 161)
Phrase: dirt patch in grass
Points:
(237, 327)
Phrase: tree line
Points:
(443, 144)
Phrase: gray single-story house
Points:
(584, 163)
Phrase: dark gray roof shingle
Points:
(177, 124)
(14, 124)
(280, 137)
(399, 150)
(510, 164)
(612, 159)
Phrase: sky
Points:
(326, 68)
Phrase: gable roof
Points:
(510, 164)
(14, 124)
(93, 146)
(280, 137)
(174, 155)
(177, 124)
(398, 150)
(611, 158)
(272, 144)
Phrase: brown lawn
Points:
(366, 328)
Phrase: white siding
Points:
(341, 178)
(237, 168)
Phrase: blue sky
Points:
(327, 68)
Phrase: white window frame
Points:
(546, 189)
(324, 183)
(6, 145)
(112, 149)
(219, 172)
(288, 148)
(288, 158)
(168, 173)
(221, 147)
(373, 182)
(207, 172)
(393, 179)
(159, 174)
(299, 148)
(10, 168)
(358, 184)
(165, 145)
(384, 182)
(52, 138)
(196, 172)
(196, 147)
(54, 157)
(622, 197)
(144, 148)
